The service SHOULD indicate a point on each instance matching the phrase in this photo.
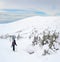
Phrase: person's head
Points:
(14, 40)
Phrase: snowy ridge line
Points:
(43, 22)
(37, 22)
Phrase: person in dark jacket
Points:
(13, 44)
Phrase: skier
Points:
(13, 44)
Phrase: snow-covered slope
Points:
(24, 44)
(36, 21)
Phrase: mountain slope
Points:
(36, 21)
(24, 44)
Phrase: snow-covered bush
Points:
(49, 38)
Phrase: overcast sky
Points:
(48, 6)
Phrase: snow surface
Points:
(24, 46)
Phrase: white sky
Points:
(49, 6)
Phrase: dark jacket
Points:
(14, 43)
